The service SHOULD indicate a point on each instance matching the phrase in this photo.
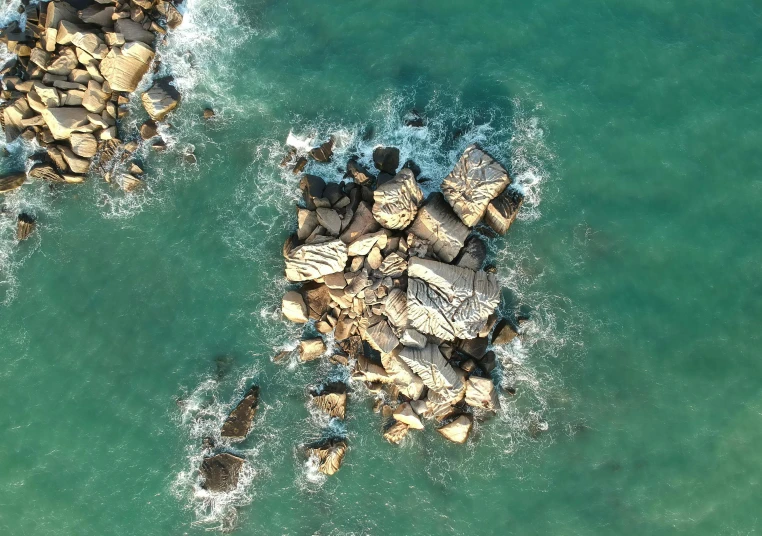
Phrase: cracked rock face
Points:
(312, 261)
(396, 202)
(447, 301)
(433, 369)
(329, 455)
(437, 224)
(474, 181)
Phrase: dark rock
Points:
(488, 362)
(414, 119)
(290, 156)
(301, 163)
(504, 333)
(412, 166)
(383, 178)
(11, 181)
(324, 152)
(207, 443)
(312, 187)
(475, 347)
(45, 172)
(386, 159)
(149, 129)
(221, 472)
(25, 227)
(359, 173)
(238, 423)
(473, 254)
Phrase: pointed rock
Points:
(457, 431)
(238, 423)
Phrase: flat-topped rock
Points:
(125, 66)
(458, 430)
(220, 472)
(238, 424)
(475, 180)
(396, 432)
(310, 349)
(312, 261)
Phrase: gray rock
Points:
(329, 219)
(480, 393)
(312, 261)
(396, 308)
(475, 180)
(396, 202)
(307, 222)
(433, 369)
(381, 337)
(473, 254)
(437, 224)
(502, 211)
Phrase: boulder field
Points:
(398, 279)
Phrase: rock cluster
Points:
(398, 278)
(70, 82)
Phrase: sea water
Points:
(132, 324)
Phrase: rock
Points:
(208, 113)
(457, 431)
(386, 159)
(502, 211)
(301, 163)
(413, 338)
(14, 115)
(76, 164)
(312, 261)
(364, 244)
(63, 121)
(488, 362)
(404, 413)
(324, 152)
(95, 99)
(128, 182)
(381, 337)
(475, 180)
(363, 223)
(312, 187)
(433, 369)
(393, 266)
(447, 301)
(480, 393)
(238, 423)
(161, 98)
(25, 226)
(504, 333)
(98, 15)
(396, 308)
(294, 308)
(329, 219)
(306, 221)
(220, 472)
(64, 63)
(133, 31)
(149, 129)
(317, 297)
(83, 144)
(396, 432)
(333, 402)
(60, 11)
(414, 119)
(396, 202)
(329, 455)
(171, 14)
(437, 224)
(11, 181)
(475, 347)
(400, 373)
(374, 258)
(124, 67)
(359, 174)
(310, 349)
(45, 172)
(473, 254)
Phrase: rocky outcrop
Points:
(310, 349)
(238, 423)
(480, 393)
(329, 455)
(475, 181)
(438, 225)
(396, 202)
(161, 98)
(220, 472)
(294, 308)
(396, 432)
(11, 181)
(312, 261)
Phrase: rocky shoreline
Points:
(76, 65)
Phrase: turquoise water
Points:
(635, 129)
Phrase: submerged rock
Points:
(220, 472)
(329, 455)
(238, 423)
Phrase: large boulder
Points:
(133, 31)
(329, 454)
(396, 432)
(294, 308)
(480, 393)
(124, 67)
(502, 211)
(437, 223)
(83, 144)
(386, 159)
(404, 413)
(473, 254)
(433, 369)
(447, 301)
(409, 383)
(457, 431)
(220, 472)
(396, 202)
(14, 115)
(171, 14)
(161, 98)
(381, 337)
(11, 181)
(238, 423)
(310, 349)
(312, 261)
(504, 333)
(332, 400)
(363, 223)
(475, 180)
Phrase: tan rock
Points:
(161, 99)
(63, 121)
(328, 454)
(11, 181)
(294, 308)
(334, 404)
(124, 67)
(363, 244)
(404, 413)
(457, 431)
(396, 201)
(310, 349)
(437, 224)
(95, 98)
(75, 163)
(65, 62)
(60, 11)
(83, 144)
(502, 211)
(480, 393)
(311, 261)
(396, 432)
(13, 116)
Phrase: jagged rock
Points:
(396, 202)
(480, 393)
(396, 432)
(433, 369)
(301, 163)
(312, 261)
(504, 333)
(294, 308)
(359, 174)
(502, 211)
(124, 67)
(45, 172)
(381, 337)
(447, 301)
(393, 266)
(161, 98)
(324, 152)
(83, 144)
(238, 423)
(404, 413)
(13, 117)
(475, 180)
(488, 362)
(457, 431)
(437, 224)
(386, 159)
(329, 454)
(414, 119)
(11, 181)
(310, 349)
(473, 254)
(208, 113)
(25, 226)
(220, 472)
(317, 297)
(333, 402)
(413, 338)
(64, 62)
(63, 121)
(363, 223)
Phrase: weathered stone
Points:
(65, 62)
(238, 423)
(413, 338)
(329, 454)
(220, 472)
(386, 159)
(437, 224)
(324, 152)
(393, 266)
(311, 261)
(449, 302)
(363, 223)
(171, 14)
(381, 337)
(25, 226)
(13, 117)
(45, 172)
(114, 39)
(312, 187)
(332, 401)
(364, 244)
(404, 413)
(133, 31)
(75, 163)
(294, 308)
(83, 144)
(504, 333)
(396, 308)
(95, 98)
(475, 180)
(396, 202)
(473, 254)
(359, 173)
(310, 349)
(433, 369)
(457, 431)
(149, 130)
(63, 121)
(124, 67)
(502, 211)
(161, 98)
(100, 16)
(400, 373)
(40, 57)
(58, 11)
(475, 347)
(480, 393)
(317, 297)
(396, 432)
(11, 181)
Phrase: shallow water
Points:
(132, 324)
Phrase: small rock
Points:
(329, 453)
(404, 413)
(25, 226)
(208, 113)
(220, 472)
(396, 432)
(294, 308)
(149, 129)
(324, 152)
